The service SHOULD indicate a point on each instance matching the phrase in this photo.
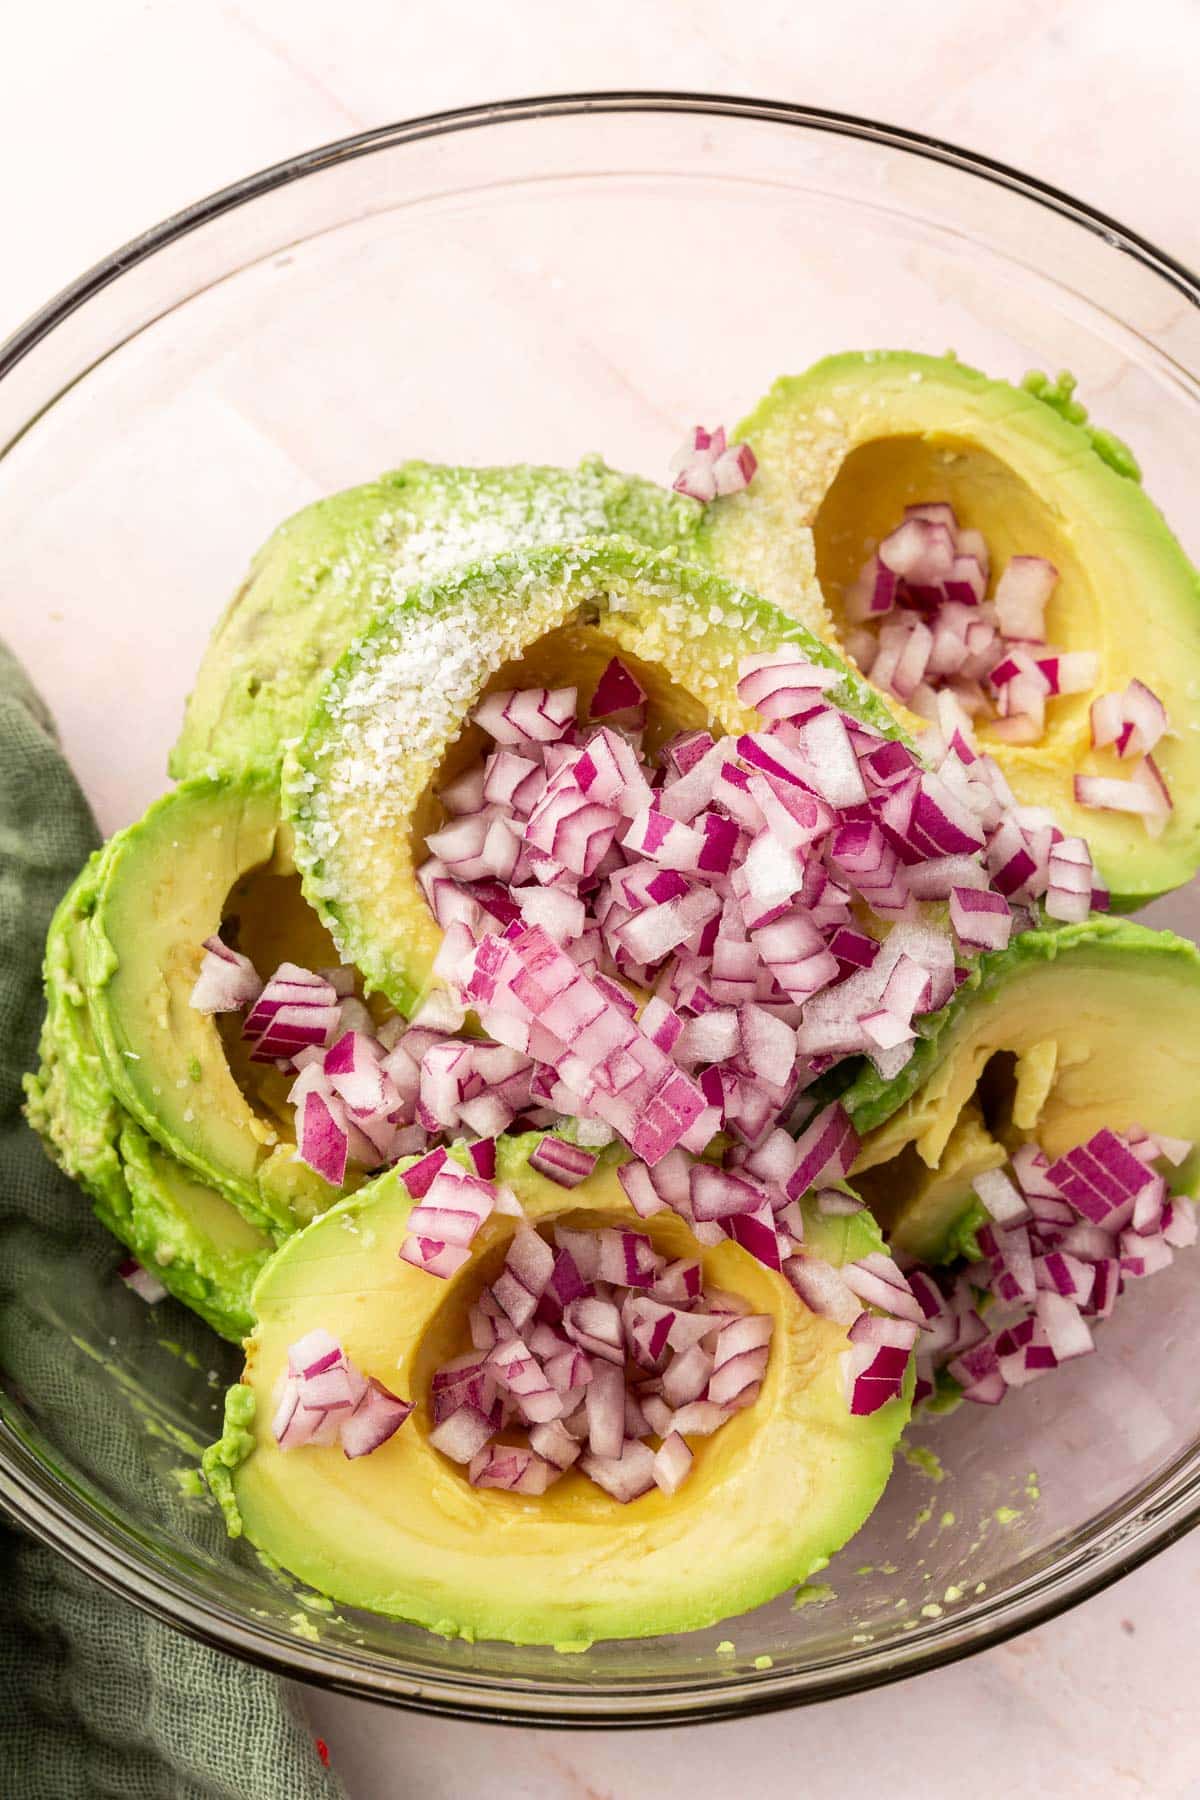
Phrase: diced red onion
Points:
(1006, 1205)
(627, 1475)
(672, 1463)
(527, 715)
(563, 1163)
(227, 980)
(323, 1141)
(1066, 1331)
(707, 467)
(822, 1288)
(511, 1467)
(1133, 722)
(463, 1434)
(605, 1403)
(618, 691)
(700, 1418)
(141, 1282)
(824, 1152)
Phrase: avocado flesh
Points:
(322, 575)
(165, 884)
(200, 1247)
(782, 1485)
(930, 1213)
(843, 448)
(1062, 1034)
(392, 722)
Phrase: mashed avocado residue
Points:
(813, 1593)
(1059, 396)
(924, 1460)
(231, 1448)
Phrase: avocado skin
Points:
(797, 1475)
(323, 574)
(135, 1189)
(870, 1101)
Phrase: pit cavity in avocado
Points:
(400, 1532)
(209, 856)
(843, 448)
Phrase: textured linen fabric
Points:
(98, 1701)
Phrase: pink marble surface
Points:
(115, 115)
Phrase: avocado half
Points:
(193, 1239)
(770, 1497)
(843, 448)
(1065, 1032)
(392, 722)
(209, 852)
(322, 575)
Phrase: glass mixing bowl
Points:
(537, 280)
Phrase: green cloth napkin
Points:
(97, 1700)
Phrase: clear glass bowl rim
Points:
(1146, 1523)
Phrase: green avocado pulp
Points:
(401, 1531)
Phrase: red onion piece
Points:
(594, 1325)
(513, 1468)
(700, 1418)
(779, 684)
(227, 980)
(672, 1463)
(1146, 795)
(323, 1142)
(876, 1279)
(140, 1281)
(825, 1151)
(605, 1403)
(554, 1444)
(618, 691)
(563, 1163)
(1133, 722)
(981, 920)
(1066, 1331)
(1006, 1205)
(627, 1475)
(527, 715)
(463, 1434)
(823, 1289)
(419, 1178)
(707, 467)
(434, 1256)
